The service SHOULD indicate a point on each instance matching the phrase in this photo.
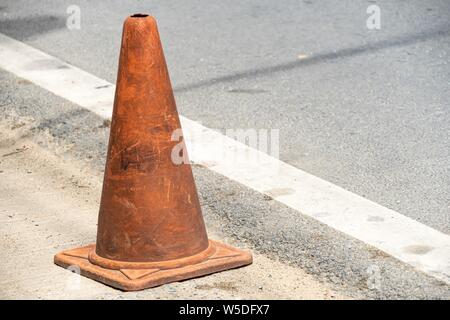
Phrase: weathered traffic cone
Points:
(150, 226)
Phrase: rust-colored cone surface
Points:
(150, 227)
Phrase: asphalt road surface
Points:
(364, 109)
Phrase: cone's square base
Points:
(223, 258)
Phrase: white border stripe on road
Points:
(406, 239)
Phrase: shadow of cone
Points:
(150, 226)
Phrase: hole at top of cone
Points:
(139, 15)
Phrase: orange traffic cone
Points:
(150, 226)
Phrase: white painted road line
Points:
(406, 239)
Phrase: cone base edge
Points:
(225, 258)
